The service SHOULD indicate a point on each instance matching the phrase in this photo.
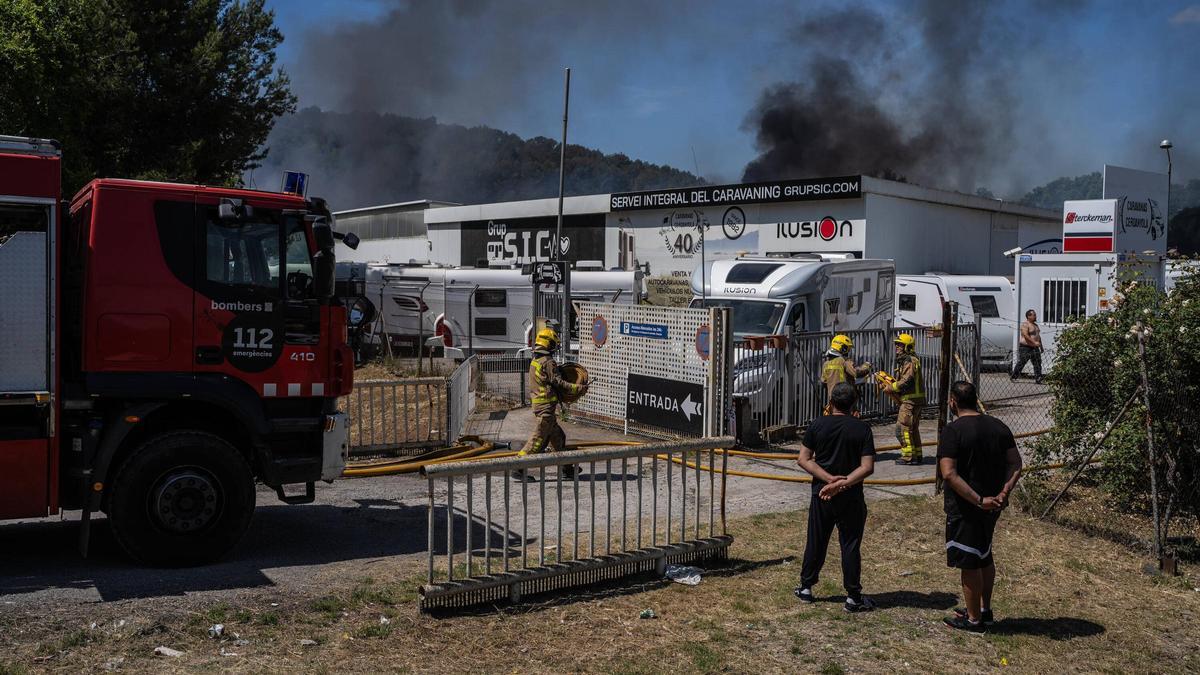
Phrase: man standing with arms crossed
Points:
(839, 451)
(979, 460)
(1029, 347)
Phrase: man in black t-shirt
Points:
(839, 451)
(978, 459)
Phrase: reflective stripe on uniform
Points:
(834, 371)
(542, 391)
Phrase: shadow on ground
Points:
(1060, 628)
(44, 556)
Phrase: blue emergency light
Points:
(295, 183)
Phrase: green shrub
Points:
(1097, 368)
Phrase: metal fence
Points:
(410, 415)
(502, 382)
(504, 539)
(461, 392)
(781, 377)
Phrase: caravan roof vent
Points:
(750, 273)
(590, 265)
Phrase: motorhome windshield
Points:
(750, 317)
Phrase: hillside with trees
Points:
(365, 158)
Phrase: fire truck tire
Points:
(182, 498)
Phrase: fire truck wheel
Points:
(182, 498)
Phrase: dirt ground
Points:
(331, 586)
(1065, 602)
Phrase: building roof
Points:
(601, 203)
(414, 205)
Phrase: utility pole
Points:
(559, 254)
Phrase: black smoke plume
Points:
(923, 95)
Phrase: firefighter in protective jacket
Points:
(839, 367)
(909, 387)
(547, 388)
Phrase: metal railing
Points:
(669, 510)
(402, 414)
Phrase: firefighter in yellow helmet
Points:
(547, 386)
(839, 367)
(909, 387)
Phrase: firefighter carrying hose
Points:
(909, 387)
(840, 368)
(548, 388)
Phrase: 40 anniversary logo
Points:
(683, 232)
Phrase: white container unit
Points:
(1064, 286)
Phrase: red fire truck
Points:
(162, 347)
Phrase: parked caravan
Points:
(1065, 286)
(796, 294)
(466, 310)
(919, 301)
(1177, 270)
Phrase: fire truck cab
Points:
(162, 347)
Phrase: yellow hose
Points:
(414, 464)
(469, 452)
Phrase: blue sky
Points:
(673, 82)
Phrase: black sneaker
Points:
(963, 623)
(862, 604)
(985, 616)
(805, 594)
(1037, 380)
(569, 471)
(520, 475)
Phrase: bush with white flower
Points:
(1097, 368)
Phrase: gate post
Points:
(949, 316)
(789, 384)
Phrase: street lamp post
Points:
(1167, 145)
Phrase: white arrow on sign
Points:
(689, 407)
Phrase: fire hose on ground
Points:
(473, 447)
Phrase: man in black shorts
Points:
(979, 461)
(839, 451)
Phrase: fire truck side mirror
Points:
(234, 209)
(349, 239)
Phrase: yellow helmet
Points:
(906, 340)
(547, 338)
(840, 343)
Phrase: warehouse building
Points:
(670, 231)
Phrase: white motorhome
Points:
(467, 310)
(1063, 286)
(801, 293)
(992, 299)
(794, 294)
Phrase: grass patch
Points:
(703, 657)
(331, 606)
(373, 630)
(72, 640)
(268, 619)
